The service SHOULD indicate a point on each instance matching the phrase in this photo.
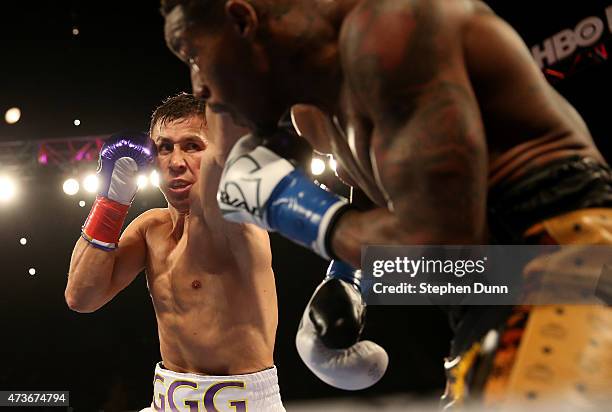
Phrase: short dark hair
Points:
(181, 106)
(195, 5)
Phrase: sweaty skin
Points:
(211, 281)
(426, 104)
(444, 104)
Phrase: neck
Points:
(178, 221)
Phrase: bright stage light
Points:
(82, 203)
(154, 178)
(32, 271)
(12, 115)
(142, 181)
(8, 188)
(317, 166)
(71, 187)
(332, 163)
(90, 183)
(77, 122)
(23, 241)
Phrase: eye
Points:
(193, 147)
(164, 148)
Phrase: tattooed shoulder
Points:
(392, 49)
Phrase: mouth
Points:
(179, 186)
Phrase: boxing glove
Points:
(328, 336)
(122, 158)
(261, 187)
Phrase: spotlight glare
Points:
(12, 115)
(154, 178)
(77, 122)
(71, 187)
(32, 271)
(23, 241)
(317, 166)
(333, 164)
(90, 183)
(142, 181)
(7, 189)
(82, 203)
(75, 31)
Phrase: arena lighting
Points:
(71, 187)
(12, 115)
(77, 122)
(82, 203)
(317, 166)
(142, 181)
(8, 189)
(32, 271)
(154, 178)
(332, 163)
(90, 183)
(23, 241)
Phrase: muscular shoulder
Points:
(151, 218)
(391, 49)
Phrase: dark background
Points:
(110, 77)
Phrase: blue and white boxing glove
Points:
(258, 186)
(122, 158)
(328, 336)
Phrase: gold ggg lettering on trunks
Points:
(207, 398)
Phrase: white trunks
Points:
(174, 391)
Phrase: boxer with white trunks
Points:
(211, 281)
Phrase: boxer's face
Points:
(180, 145)
(228, 69)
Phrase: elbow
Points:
(77, 304)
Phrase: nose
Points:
(177, 161)
(200, 90)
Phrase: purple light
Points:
(43, 159)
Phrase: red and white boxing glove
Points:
(122, 158)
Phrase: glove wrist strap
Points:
(329, 230)
(103, 225)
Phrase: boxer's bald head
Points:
(255, 58)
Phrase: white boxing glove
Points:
(328, 336)
(259, 186)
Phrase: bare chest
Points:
(182, 274)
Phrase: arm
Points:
(428, 148)
(254, 252)
(222, 134)
(96, 275)
(99, 267)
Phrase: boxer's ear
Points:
(243, 16)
